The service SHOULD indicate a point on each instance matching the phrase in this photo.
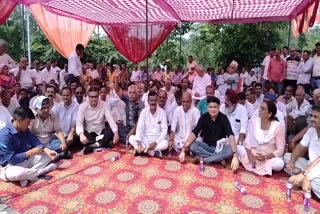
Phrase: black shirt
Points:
(212, 131)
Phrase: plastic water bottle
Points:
(127, 144)
(115, 158)
(306, 204)
(242, 190)
(169, 154)
(201, 165)
(254, 165)
(289, 190)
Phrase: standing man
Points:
(95, 125)
(74, 64)
(265, 67)
(200, 84)
(49, 74)
(22, 156)
(292, 69)
(277, 72)
(316, 67)
(151, 130)
(305, 71)
(4, 57)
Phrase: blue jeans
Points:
(55, 145)
(208, 152)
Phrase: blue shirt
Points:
(67, 116)
(14, 145)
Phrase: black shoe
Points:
(67, 154)
(158, 154)
(45, 177)
(87, 150)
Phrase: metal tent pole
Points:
(147, 50)
(28, 36)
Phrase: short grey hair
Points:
(2, 42)
(316, 91)
(133, 87)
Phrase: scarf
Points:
(258, 134)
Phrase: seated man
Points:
(46, 127)
(67, 114)
(165, 105)
(287, 97)
(211, 148)
(22, 156)
(185, 119)
(152, 128)
(95, 125)
(201, 81)
(298, 113)
(251, 98)
(7, 101)
(210, 92)
(243, 101)
(307, 172)
(177, 101)
(133, 110)
(237, 115)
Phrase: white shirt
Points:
(152, 127)
(250, 108)
(244, 77)
(312, 141)
(170, 92)
(183, 123)
(74, 64)
(7, 60)
(5, 117)
(25, 77)
(199, 86)
(135, 76)
(305, 70)
(238, 119)
(12, 106)
(256, 106)
(174, 105)
(66, 115)
(316, 66)
(62, 74)
(250, 79)
(295, 111)
(93, 73)
(37, 76)
(167, 109)
(265, 63)
(56, 70)
(47, 76)
(282, 107)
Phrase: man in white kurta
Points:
(185, 119)
(200, 84)
(49, 74)
(152, 128)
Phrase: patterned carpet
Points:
(90, 184)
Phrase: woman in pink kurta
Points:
(264, 145)
(6, 81)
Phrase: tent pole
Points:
(23, 32)
(180, 45)
(147, 51)
(289, 35)
(28, 36)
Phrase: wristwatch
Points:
(304, 173)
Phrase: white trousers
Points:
(302, 164)
(163, 145)
(277, 163)
(29, 169)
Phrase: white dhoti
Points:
(29, 169)
(301, 163)
(162, 145)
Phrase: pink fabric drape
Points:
(130, 40)
(6, 7)
(64, 33)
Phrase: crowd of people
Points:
(268, 119)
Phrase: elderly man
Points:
(168, 87)
(185, 119)
(67, 114)
(133, 110)
(4, 57)
(210, 92)
(135, 74)
(152, 128)
(165, 105)
(95, 124)
(288, 95)
(306, 173)
(74, 64)
(22, 156)
(305, 70)
(201, 81)
(46, 127)
(232, 78)
(48, 74)
(10, 103)
(191, 69)
(214, 147)
(24, 75)
(237, 115)
(298, 113)
(92, 73)
(37, 72)
(251, 98)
